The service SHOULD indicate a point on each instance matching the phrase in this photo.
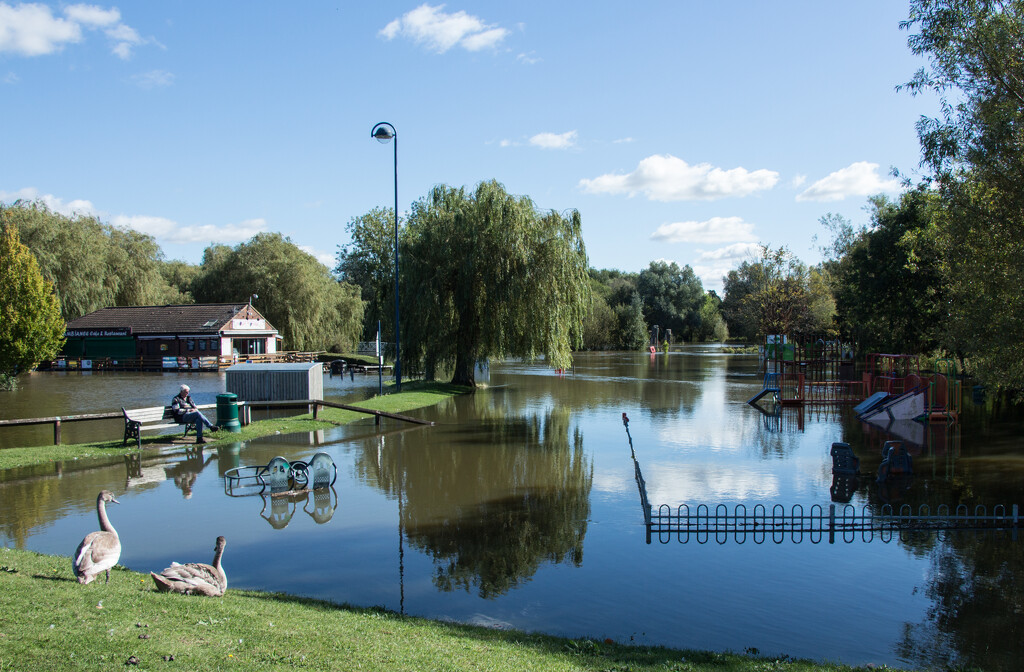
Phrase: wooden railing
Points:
(310, 405)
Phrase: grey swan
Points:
(195, 578)
(99, 551)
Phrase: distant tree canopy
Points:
(487, 275)
(31, 327)
(92, 265)
(296, 293)
(777, 294)
(672, 298)
(368, 262)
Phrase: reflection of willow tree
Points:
(42, 496)
(491, 511)
(976, 589)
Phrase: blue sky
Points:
(682, 131)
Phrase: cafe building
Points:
(224, 332)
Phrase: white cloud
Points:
(714, 230)
(712, 265)
(439, 31)
(528, 59)
(28, 194)
(31, 29)
(622, 141)
(92, 16)
(170, 231)
(11, 78)
(153, 79)
(325, 258)
(554, 140)
(798, 180)
(668, 178)
(857, 179)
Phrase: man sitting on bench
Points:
(186, 413)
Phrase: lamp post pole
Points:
(385, 132)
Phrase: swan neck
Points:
(101, 511)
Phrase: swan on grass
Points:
(195, 578)
(101, 550)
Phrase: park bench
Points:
(136, 420)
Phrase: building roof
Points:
(198, 318)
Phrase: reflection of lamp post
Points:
(385, 132)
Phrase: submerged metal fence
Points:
(814, 523)
(817, 523)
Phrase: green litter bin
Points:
(227, 412)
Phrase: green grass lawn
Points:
(50, 622)
(414, 394)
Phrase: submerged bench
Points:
(137, 420)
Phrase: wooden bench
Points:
(137, 420)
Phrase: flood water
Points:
(520, 509)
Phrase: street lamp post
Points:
(385, 132)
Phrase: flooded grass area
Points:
(520, 509)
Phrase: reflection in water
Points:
(489, 516)
(284, 505)
(977, 606)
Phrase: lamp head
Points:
(383, 132)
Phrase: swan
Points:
(99, 551)
(195, 578)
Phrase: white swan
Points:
(99, 551)
(195, 578)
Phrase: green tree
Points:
(712, 325)
(975, 52)
(632, 329)
(91, 264)
(368, 262)
(296, 293)
(31, 327)
(779, 294)
(487, 276)
(886, 276)
(738, 310)
(179, 276)
(672, 297)
(599, 326)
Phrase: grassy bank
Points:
(51, 622)
(414, 394)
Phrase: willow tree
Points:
(296, 293)
(93, 265)
(487, 275)
(31, 327)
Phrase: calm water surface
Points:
(520, 509)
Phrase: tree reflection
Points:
(976, 588)
(490, 512)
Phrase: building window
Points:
(190, 344)
(248, 346)
(202, 344)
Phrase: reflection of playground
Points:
(815, 523)
(282, 485)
